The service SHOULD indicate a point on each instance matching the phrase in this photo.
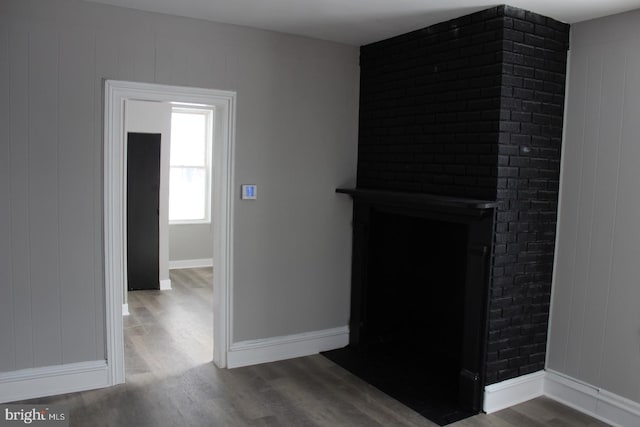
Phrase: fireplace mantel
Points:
(420, 200)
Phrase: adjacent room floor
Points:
(171, 380)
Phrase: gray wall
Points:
(190, 241)
(296, 138)
(595, 319)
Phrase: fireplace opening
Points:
(416, 284)
(415, 308)
(418, 303)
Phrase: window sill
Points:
(194, 222)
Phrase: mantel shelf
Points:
(418, 199)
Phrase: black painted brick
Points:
(536, 82)
(473, 107)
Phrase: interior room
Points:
(415, 213)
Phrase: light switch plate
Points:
(249, 192)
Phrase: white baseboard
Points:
(190, 263)
(125, 309)
(253, 352)
(593, 401)
(511, 392)
(165, 284)
(50, 380)
(601, 404)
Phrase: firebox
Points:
(420, 278)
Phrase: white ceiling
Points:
(358, 22)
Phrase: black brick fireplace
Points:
(456, 199)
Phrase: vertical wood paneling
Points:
(136, 50)
(58, 53)
(19, 172)
(76, 210)
(586, 206)
(172, 59)
(595, 328)
(7, 353)
(198, 56)
(620, 370)
(601, 229)
(44, 239)
(569, 217)
(105, 67)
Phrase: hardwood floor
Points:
(170, 331)
(171, 380)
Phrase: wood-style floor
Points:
(171, 380)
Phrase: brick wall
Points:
(430, 109)
(533, 85)
(473, 107)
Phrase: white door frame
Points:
(116, 92)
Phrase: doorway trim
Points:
(116, 92)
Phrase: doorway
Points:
(116, 93)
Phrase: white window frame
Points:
(208, 112)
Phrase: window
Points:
(190, 166)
